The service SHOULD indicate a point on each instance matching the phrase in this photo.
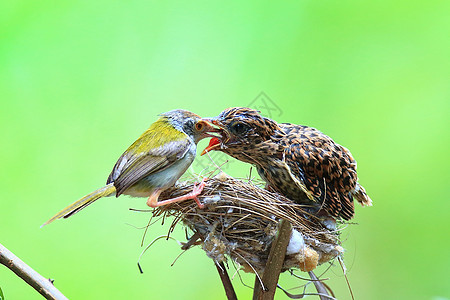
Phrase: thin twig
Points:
(227, 285)
(344, 269)
(302, 295)
(30, 276)
(192, 241)
(320, 287)
(274, 264)
(148, 246)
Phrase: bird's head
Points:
(241, 129)
(190, 123)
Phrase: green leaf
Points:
(1, 295)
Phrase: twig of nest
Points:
(240, 221)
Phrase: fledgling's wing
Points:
(157, 149)
(327, 169)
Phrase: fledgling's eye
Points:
(239, 128)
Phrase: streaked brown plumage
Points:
(298, 161)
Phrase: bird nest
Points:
(240, 220)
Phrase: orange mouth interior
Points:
(213, 144)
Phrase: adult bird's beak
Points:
(215, 127)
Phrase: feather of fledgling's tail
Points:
(361, 195)
(75, 207)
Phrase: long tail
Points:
(75, 207)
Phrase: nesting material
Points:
(240, 221)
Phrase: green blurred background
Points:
(81, 80)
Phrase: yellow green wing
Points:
(156, 149)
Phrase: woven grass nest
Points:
(240, 220)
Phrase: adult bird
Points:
(297, 161)
(153, 163)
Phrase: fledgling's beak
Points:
(213, 144)
(210, 120)
(214, 127)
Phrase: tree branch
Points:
(227, 285)
(274, 264)
(30, 276)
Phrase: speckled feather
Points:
(298, 161)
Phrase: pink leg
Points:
(153, 199)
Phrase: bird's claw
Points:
(197, 190)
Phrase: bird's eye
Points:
(199, 126)
(239, 128)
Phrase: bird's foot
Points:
(196, 191)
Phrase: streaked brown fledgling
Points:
(297, 161)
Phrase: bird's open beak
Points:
(216, 141)
(213, 144)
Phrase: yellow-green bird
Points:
(153, 163)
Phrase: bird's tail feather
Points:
(75, 207)
(361, 195)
